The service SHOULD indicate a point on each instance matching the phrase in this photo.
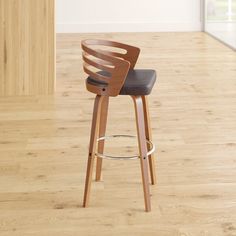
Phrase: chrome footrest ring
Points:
(100, 155)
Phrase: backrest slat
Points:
(95, 75)
(98, 64)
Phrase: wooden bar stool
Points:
(112, 73)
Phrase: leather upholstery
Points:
(137, 82)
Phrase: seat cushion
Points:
(137, 82)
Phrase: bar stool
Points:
(112, 73)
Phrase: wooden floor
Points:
(44, 141)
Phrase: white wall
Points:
(128, 15)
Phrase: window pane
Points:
(220, 20)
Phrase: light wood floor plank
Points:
(44, 143)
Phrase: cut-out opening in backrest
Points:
(97, 68)
(111, 50)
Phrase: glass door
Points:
(220, 20)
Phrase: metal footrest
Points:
(152, 148)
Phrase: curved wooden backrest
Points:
(108, 67)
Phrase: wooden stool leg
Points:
(142, 149)
(102, 131)
(149, 137)
(92, 145)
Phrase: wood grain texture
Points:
(148, 132)
(44, 147)
(140, 124)
(92, 147)
(27, 42)
(102, 133)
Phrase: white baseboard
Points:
(128, 27)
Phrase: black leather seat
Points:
(137, 82)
